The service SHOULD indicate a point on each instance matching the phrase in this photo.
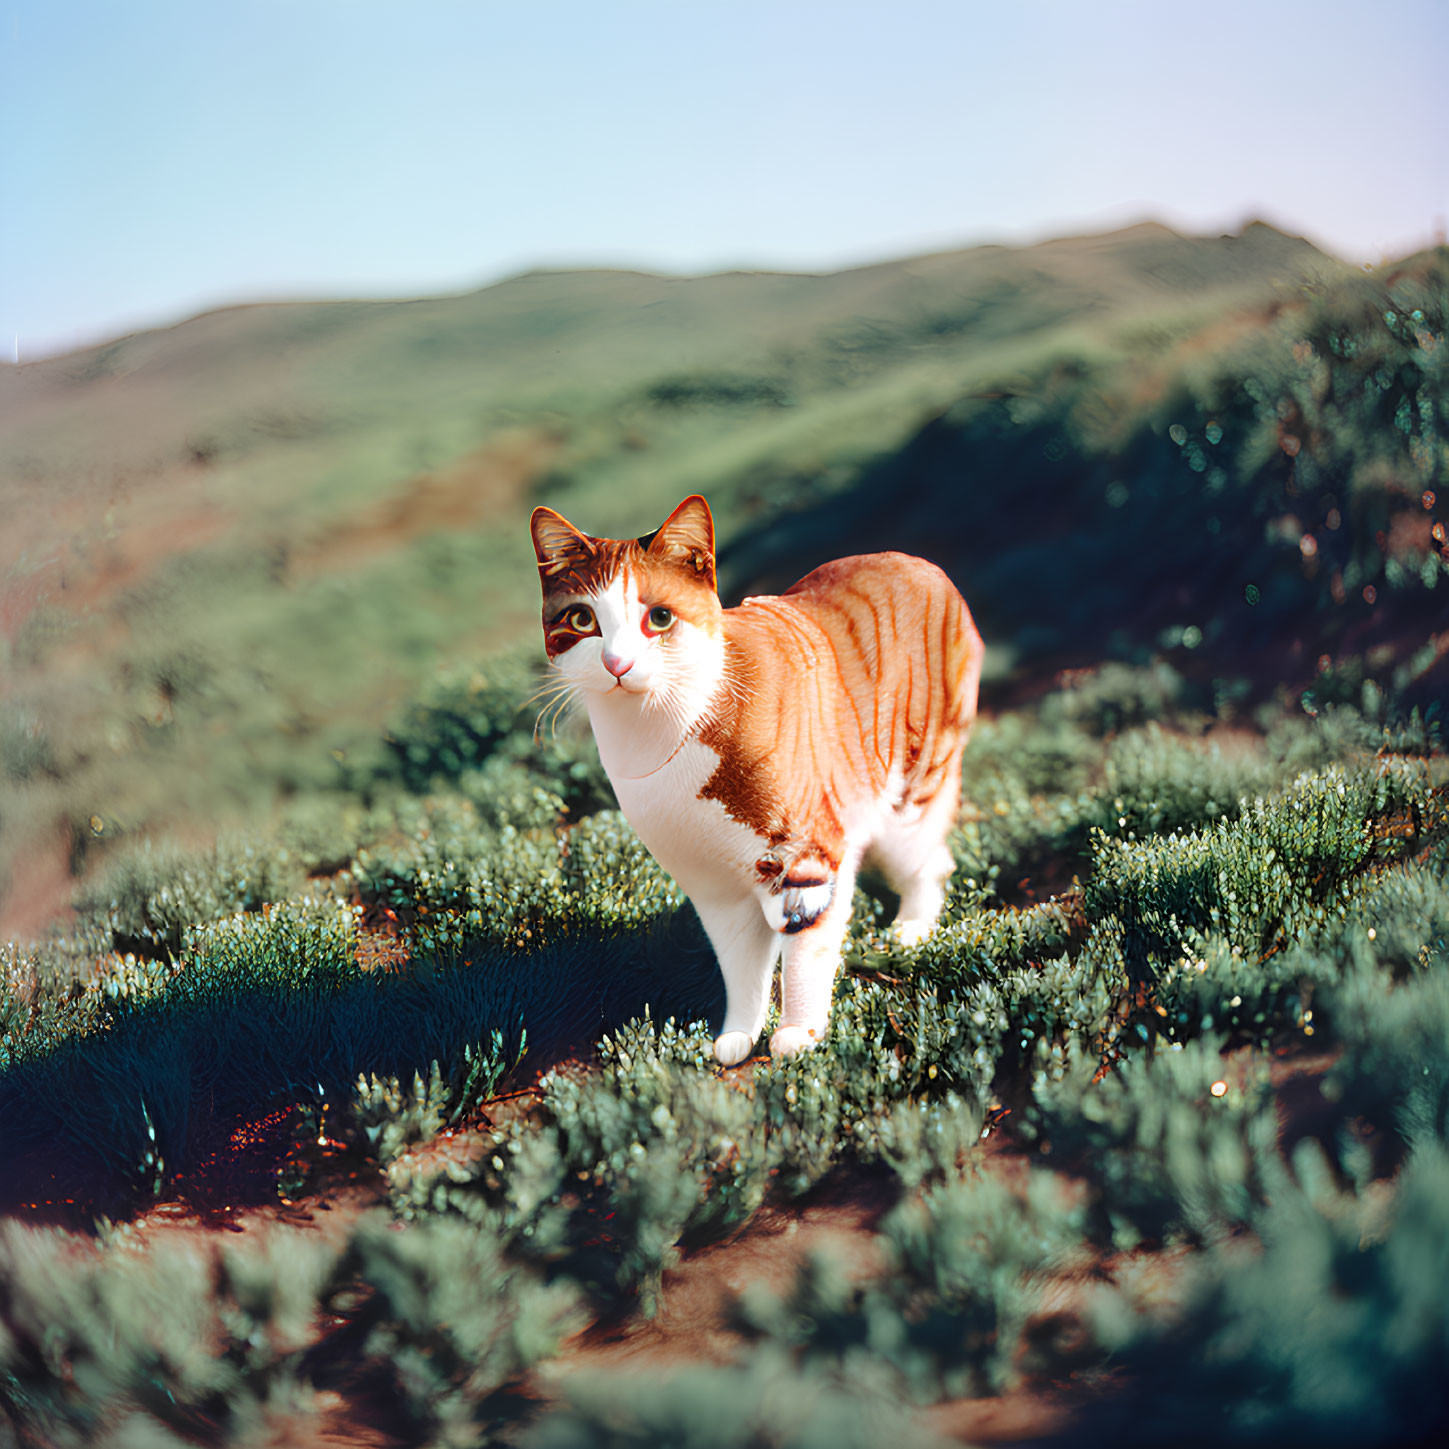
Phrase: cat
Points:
(762, 752)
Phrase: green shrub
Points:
(391, 1118)
(469, 882)
(1115, 697)
(473, 730)
(963, 1272)
(1180, 1143)
(152, 1063)
(1282, 871)
(1394, 1068)
(1332, 1332)
(149, 895)
(766, 1401)
(178, 1345)
(439, 1323)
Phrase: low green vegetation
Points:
(1262, 506)
(1157, 1119)
(1281, 905)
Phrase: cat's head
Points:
(637, 615)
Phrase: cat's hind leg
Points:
(746, 949)
(910, 850)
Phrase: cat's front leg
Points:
(813, 944)
(746, 949)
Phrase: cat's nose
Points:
(617, 665)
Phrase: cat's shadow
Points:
(570, 992)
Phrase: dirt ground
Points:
(231, 1198)
(690, 1323)
(221, 1205)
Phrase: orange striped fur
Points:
(763, 752)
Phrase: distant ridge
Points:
(252, 384)
(1148, 232)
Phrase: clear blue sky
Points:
(157, 158)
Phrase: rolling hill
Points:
(234, 546)
(365, 1093)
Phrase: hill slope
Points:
(1157, 1150)
(234, 545)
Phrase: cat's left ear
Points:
(687, 537)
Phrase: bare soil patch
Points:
(491, 482)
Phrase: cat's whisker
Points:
(568, 706)
(545, 698)
(557, 695)
(551, 686)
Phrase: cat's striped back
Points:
(855, 688)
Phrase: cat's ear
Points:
(687, 537)
(557, 543)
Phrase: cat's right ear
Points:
(557, 543)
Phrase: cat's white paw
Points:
(791, 1039)
(912, 933)
(732, 1048)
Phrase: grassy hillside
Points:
(234, 546)
(1147, 1143)
(1260, 499)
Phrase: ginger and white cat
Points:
(763, 752)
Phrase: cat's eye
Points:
(580, 619)
(660, 618)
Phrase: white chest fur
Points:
(658, 784)
(694, 839)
